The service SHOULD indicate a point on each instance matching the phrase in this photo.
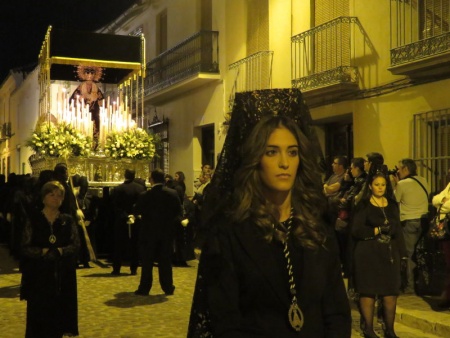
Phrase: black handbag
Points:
(438, 229)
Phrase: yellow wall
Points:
(280, 42)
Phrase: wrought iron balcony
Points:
(5, 131)
(424, 58)
(191, 63)
(324, 59)
(420, 39)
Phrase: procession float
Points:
(91, 106)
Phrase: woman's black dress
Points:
(49, 282)
(376, 264)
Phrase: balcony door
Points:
(434, 17)
(161, 37)
(331, 44)
(338, 142)
(207, 143)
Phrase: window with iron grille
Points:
(431, 146)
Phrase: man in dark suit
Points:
(159, 210)
(124, 197)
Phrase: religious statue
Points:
(90, 93)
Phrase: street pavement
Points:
(108, 308)
(107, 305)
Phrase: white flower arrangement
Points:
(59, 140)
(133, 144)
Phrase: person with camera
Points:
(378, 251)
(441, 202)
(411, 192)
(333, 184)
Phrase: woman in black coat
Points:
(49, 250)
(379, 248)
(269, 267)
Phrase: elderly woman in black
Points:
(49, 251)
(270, 269)
(379, 248)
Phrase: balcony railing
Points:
(421, 49)
(324, 55)
(252, 73)
(197, 54)
(420, 38)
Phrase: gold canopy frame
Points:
(122, 57)
(123, 60)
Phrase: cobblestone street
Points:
(107, 306)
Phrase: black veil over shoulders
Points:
(248, 109)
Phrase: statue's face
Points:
(89, 74)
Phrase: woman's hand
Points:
(44, 251)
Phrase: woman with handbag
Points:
(442, 203)
(379, 248)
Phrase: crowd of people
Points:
(379, 216)
(49, 224)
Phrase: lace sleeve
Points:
(74, 243)
(27, 249)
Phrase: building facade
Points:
(374, 74)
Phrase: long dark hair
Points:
(375, 171)
(181, 176)
(248, 198)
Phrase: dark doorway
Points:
(208, 145)
(338, 142)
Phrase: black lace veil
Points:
(248, 109)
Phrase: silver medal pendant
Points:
(52, 239)
(296, 317)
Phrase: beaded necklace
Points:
(52, 237)
(295, 314)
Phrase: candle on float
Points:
(64, 98)
(58, 97)
(58, 111)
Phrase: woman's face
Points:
(378, 186)
(355, 171)
(53, 199)
(176, 177)
(279, 164)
